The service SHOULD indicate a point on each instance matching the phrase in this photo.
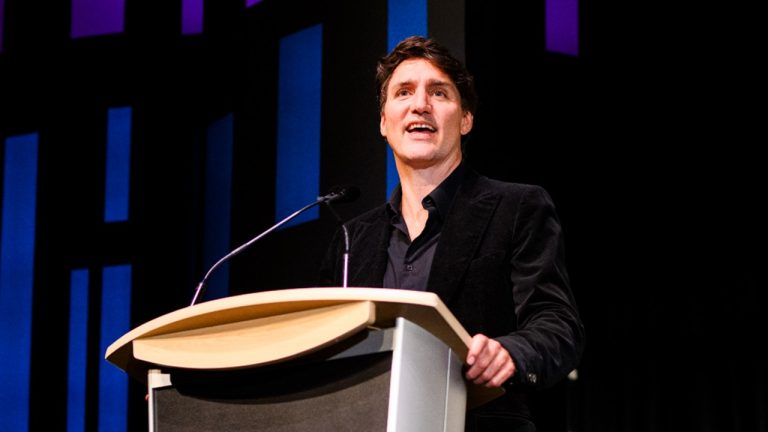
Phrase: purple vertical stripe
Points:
(562, 26)
(191, 16)
(2, 23)
(249, 3)
(97, 17)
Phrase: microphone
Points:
(342, 194)
(337, 194)
(345, 194)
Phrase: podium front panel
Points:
(335, 395)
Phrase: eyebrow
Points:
(439, 83)
(431, 83)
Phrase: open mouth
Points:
(420, 127)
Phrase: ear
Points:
(383, 125)
(467, 121)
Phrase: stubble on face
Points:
(422, 118)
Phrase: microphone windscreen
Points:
(346, 193)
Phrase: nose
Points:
(420, 102)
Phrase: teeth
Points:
(420, 126)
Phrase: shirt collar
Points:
(441, 196)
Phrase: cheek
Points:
(389, 119)
(386, 122)
(456, 124)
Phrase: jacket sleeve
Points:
(548, 341)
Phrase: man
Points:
(492, 251)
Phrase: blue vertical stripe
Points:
(17, 257)
(78, 346)
(404, 18)
(392, 177)
(115, 321)
(97, 17)
(118, 171)
(298, 123)
(218, 203)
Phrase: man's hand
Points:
(489, 363)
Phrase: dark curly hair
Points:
(430, 50)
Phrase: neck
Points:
(416, 183)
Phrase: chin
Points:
(419, 162)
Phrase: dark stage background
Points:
(648, 142)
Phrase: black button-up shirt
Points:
(409, 262)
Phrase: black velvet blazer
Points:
(499, 267)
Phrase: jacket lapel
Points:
(460, 238)
(366, 268)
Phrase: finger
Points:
(497, 370)
(476, 347)
(504, 374)
(496, 361)
(480, 362)
(484, 360)
(505, 367)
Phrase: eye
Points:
(440, 93)
(402, 92)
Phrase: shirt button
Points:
(409, 267)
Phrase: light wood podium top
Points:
(268, 327)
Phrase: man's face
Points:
(422, 118)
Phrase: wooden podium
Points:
(314, 359)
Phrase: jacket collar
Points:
(461, 236)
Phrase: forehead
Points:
(418, 70)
